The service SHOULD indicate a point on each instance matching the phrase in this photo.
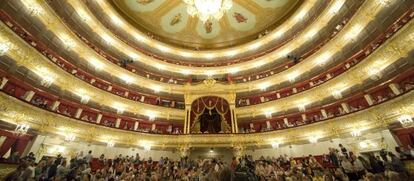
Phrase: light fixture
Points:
(356, 133)
(120, 108)
(268, 114)
(160, 66)
(258, 64)
(146, 145)
(292, 76)
(406, 121)
(97, 64)
(70, 137)
(133, 55)
(127, 79)
(47, 77)
(337, 94)
(313, 139)
(4, 47)
(211, 150)
(209, 55)
(115, 19)
(185, 72)
(163, 48)
(108, 39)
(353, 32)
(336, 6)
(83, 15)
(85, 99)
(67, 41)
(275, 145)
(83, 95)
(21, 129)
(302, 107)
(151, 115)
(110, 144)
(156, 88)
(263, 86)
(35, 10)
(233, 70)
(322, 59)
(255, 46)
(231, 53)
(208, 9)
(209, 73)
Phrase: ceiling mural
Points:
(169, 21)
(208, 29)
(175, 20)
(241, 19)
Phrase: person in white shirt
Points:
(88, 157)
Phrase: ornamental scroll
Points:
(210, 115)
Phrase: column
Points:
(55, 105)
(345, 107)
(136, 125)
(369, 99)
(268, 126)
(324, 113)
(98, 118)
(4, 81)
(187, 119)
(234, 126)
(303, 117)
(118, 122)
(78, 113)
(28, 96)
(395, 88)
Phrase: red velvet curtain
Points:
(14, 142)
(7, 144)
(220, 104)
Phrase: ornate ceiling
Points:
(169, 21)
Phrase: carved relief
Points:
(240, 18)
(176, 19)
(208, 26)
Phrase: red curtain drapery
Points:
(7, 145)
(209, 103)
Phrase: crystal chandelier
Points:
(208, 9)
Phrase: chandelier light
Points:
(70, 138)
(208, 9)
(406, 121)
(21, 129)
(4, 47)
